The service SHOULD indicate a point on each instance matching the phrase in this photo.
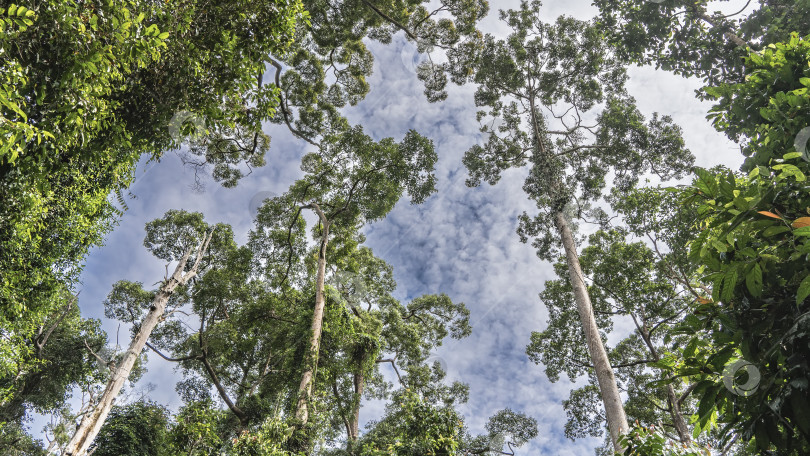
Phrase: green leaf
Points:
(773, 230)
(753, 280)
(721, 247)
(690, 349)
(804, 290)
(803, 231)
(729, 282)
(706, 182)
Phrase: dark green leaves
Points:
(754, 250)
(804, 291)
(753, 280)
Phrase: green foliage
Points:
(769, 109)
(651, 441)
(16, 442)
(268, 440)
(328, 66)
(196, 428)
(135, 429)
(353, 175)
(528, 80)
(414, 427)
(60, 362)
(753, 251)
(85, 91)
(686, 38)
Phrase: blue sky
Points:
(461, 242)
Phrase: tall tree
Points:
(560, 73)
(626, 281)
(180, 237)
(350, 181)
(385, 332)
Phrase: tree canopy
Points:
(678, 309)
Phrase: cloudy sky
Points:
(461, 241)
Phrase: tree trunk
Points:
(674, 406)
(311, 358)
(359, 380)
(614, 410)
(92, 422)
(677, 416)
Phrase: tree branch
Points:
(283, 106)
(391, 20)
(221, 390)
(174, 360)
(394, 364)
(41, 343)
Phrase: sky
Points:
(461, 241)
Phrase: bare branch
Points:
(174, 360)
(394, 364)
(283, 106)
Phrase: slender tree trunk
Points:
(359, 381)
(674, 404)
(677, 416)
(240, 414)
(91, 423)
(311, 358)
(614, 410)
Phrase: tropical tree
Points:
(749, 346)
(135, 429)
(559, 73)
(89, 89)
(383, 332)
(626, 281)
(687, 38)
(180, 237)
(350, 181)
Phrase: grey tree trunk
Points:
(311, 359)
(677, 416)
(359, 380)
(92, 422)
(614, 409)
(672, 398)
